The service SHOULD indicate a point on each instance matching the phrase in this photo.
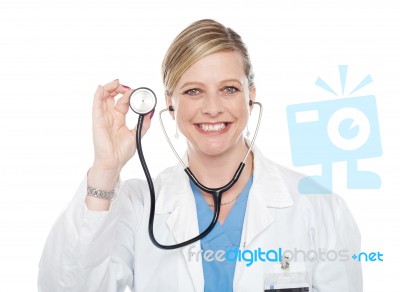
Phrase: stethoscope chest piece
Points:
(142, 100)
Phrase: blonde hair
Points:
(201, 38)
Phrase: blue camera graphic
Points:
(342, 129)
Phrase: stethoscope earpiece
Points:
(171, 108)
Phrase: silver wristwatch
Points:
(101, 194)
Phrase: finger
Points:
(122, 105)
(100, 102)
(114, 88)
(98, 99)
(109, 103)
(110, 88)
(110, 91)
(103, 92)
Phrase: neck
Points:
(215, 171)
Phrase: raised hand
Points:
(114, 143)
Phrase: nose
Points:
(212, 105)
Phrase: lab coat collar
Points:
(268, 183)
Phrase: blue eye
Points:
(230, 89)
(192, 91)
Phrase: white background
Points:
(53, 54)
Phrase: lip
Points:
(213, 133)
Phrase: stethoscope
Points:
(143, 101)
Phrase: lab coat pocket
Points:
(287, 277)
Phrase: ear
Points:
(168, 102)
(252, 94)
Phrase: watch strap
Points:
(101, 194)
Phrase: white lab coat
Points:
(108, 251)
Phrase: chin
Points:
(214, 146)
(213, 149)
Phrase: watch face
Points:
(142, 100)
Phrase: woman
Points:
(103, 245)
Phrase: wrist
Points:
(102, 178)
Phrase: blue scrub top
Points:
(218, 275)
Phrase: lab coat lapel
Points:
(176, 198)
(268, 191)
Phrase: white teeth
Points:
(213, 127)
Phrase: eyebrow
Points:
(190, 83)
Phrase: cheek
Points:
(186, 109)
(183, 117)
(241, 110)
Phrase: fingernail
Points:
(124, 86)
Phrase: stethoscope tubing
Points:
(215, 192)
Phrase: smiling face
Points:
(211, 103)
